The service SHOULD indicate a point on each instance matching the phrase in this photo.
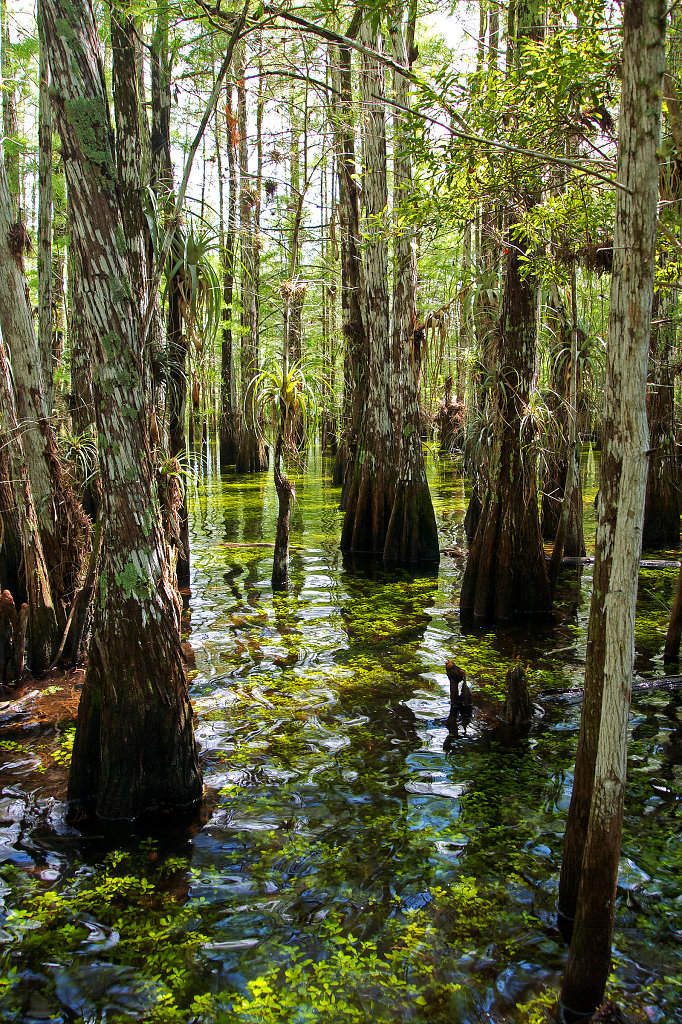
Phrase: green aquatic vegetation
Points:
(127, 904)
(64, 752)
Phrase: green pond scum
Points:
(359, 859)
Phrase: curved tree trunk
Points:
(134, 752)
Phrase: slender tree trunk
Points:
(229, 410)
(563, 473)
(134, 752)
(177, 341)
(356, 352)
(286, 495)
(44, 247)
(252, 457)
(662, 507)
(10, 126)
(44, 628)
(671, 651)
(628, 345)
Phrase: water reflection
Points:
(339, 790)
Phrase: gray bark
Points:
(628, 345)
(134, 752)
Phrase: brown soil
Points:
(35, 716)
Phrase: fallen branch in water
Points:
(260, 544)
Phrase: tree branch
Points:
(157, 274)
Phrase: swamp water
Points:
(357, 860)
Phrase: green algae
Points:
(362, 858)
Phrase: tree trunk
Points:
(506, 574)
(356, 352)
(286, 495)
(10, 127)
(662, 507)
(229, 410)
(62, 523)
(44, 247)
(671, 651)
(252, 457)
(162, 181)
(628, 344)
(44, 628)
(371, 493)
(412, 534)
(134, 752)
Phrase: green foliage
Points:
(137, 916)
(299, 390)
(79, 457)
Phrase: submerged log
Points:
(645, 563)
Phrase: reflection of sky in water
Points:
(322, 721)
(337, 790)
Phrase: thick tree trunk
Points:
(506, 574)
(371, 493)
(134, 752)
(412, 534)
(628, 344)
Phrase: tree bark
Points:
(505, 574)
(229, 410)
(662, 507)
(134, 752)
(412, 534)
(628, 344)
(44, 627)
(371, 494)
(62, 523)
(44, 247)
(356, 352)
(252, 457)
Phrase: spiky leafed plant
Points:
(290, 393)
